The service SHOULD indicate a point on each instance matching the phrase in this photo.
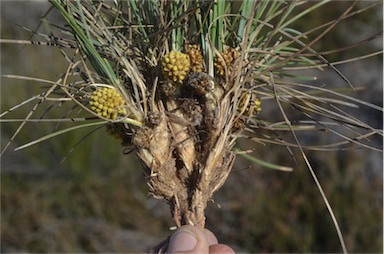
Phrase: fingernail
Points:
(182, 240)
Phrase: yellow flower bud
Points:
(107, 102)
(175, 66)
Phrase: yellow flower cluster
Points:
(252, 108)
(229, 55)
(197, 61)
(176, 66)
(107, 102)
(256, 104)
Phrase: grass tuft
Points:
(186, 125)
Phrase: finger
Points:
(211, 238)
(188, 239)
(221, 248)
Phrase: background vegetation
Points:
(96, 199)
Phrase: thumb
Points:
(188, 239)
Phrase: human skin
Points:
(190, 239)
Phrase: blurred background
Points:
(96, 200)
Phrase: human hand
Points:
(190, 239)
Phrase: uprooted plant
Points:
(179, 82)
